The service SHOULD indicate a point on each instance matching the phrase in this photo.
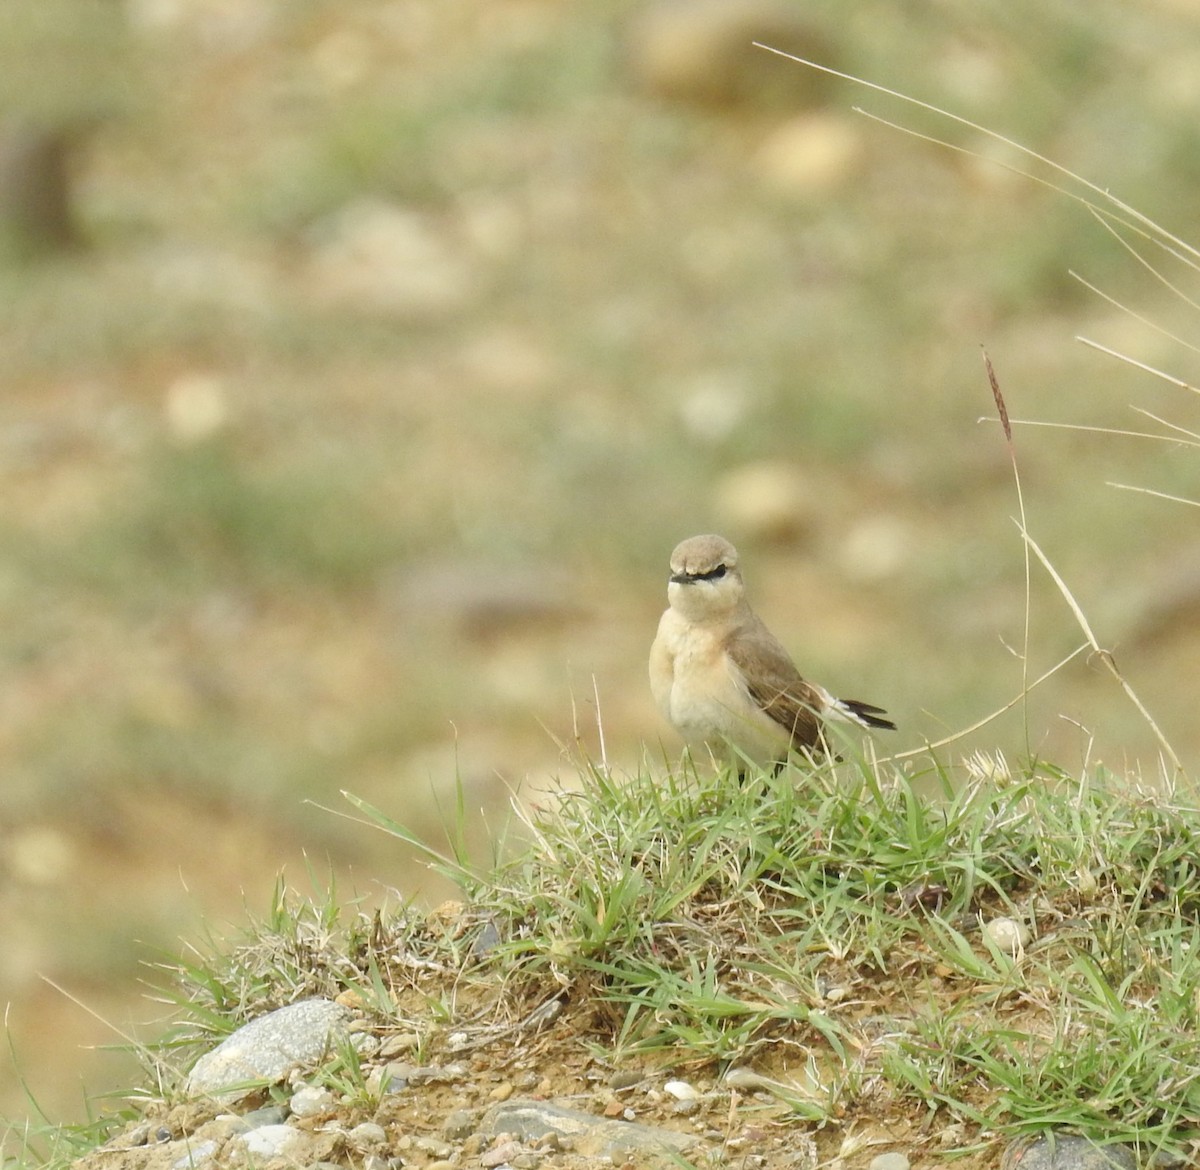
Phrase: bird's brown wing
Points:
(775, 684)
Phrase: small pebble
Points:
(433, 1147)
(501, 1092)
(806, 1156)
(267, 1115)
(681, 1090)
(487, 939)
(459, 1125)
(952, 1135)
(1007, 935)
(389, 1078)
(625, 1078)
(747, 1079)
(395, 1045)
(889, 1161)
(195, 1156)
(367, 1134)
(500, 1154)
(138, 1136)
(686, 1106)
(311, 1100)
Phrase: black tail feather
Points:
(871, 715)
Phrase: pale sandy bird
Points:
(723, 679)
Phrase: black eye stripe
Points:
(711, 575)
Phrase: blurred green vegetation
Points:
(384, 304)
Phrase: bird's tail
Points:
(864, 714)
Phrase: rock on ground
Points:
(268, 1048)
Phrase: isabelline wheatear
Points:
(722, 678)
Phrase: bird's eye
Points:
(718, 572)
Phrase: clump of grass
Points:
(823, 932)
(830, 920)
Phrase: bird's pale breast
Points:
(700, 690)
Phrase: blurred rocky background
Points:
(362, 361)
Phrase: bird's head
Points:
(705, 580)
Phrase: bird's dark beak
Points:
(680, 578)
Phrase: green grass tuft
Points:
(834, 914)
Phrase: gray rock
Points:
(623, 1078)
(138, 1136)
(1065, 1152)
(198, 1153)
(433, 1147)
(488, 939)
(267, 1049)
(459, 1125)
(367, 1134)
(530, 1121)
(395, 1045)
(310, 1100)
(268, 1115)
(893, 1160)
(271, 1141)
(442, 1074)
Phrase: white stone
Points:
(1007, 935)
(681, 1090)
(270, 1141)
